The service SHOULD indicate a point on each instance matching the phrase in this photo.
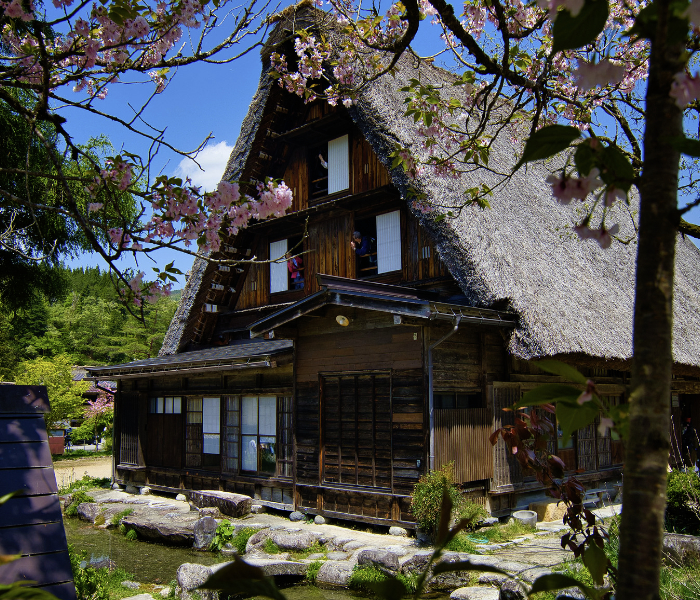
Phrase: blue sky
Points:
(200, 99)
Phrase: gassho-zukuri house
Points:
(333, 392)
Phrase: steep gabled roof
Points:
(571, 296)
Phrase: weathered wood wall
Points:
(360, 428)
(462, 436)
(31, 525)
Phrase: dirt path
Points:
(68, 471)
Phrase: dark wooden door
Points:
(165, 440)
(356, 429)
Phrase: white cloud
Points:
(213, 160)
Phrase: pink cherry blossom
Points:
(592, 75)
(685, 89)
(693, 12)
(567, 188)
(95, 206)
(606, 423)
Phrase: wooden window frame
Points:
(232, 437)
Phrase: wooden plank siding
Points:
(462, 436)
(31, 523)
(375, 349)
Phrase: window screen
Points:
(338, 165)
(388, 242)
(278, 270)
(211, 425)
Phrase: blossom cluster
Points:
(99, 43)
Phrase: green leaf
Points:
(686, 146)
(573, 32)
(596, 562)
(9, 495)
(389, 589)
(572, 416)
(241, 578)
(556, 367)
(20, 590)
(584, 158)
(548, 393)
(557, 581)
(547, 142)
(617, 169)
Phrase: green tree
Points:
(65, 395)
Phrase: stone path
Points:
(177, 522)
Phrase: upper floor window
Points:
(458, 400)
(379, 249)
(329, 167)
(287, 273)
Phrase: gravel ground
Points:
(68, 471)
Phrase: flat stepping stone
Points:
(228, 503)
(335, 572)
(492, 579)
(274, 567)
(475, 593)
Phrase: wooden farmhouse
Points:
(332, 392)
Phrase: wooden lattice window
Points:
(193, 433)
(356, 430)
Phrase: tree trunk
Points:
(644, 491)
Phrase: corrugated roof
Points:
(224, 356)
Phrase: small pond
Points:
(154, 563)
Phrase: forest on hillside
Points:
(81, 319)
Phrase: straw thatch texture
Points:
(572, 297)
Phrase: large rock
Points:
(415, 563)
(572, 593)
(378, 557)
(335, 572)
(175, 529)
(285, 539)
(475, 593)
(512, 590)
(273, 567)
(678, 548)
(204, 531)
(233, 505)
(548, 510)
(190, 576)
(87, 511)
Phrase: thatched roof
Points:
(572, 297)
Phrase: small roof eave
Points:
(244, 355)
(380, 297)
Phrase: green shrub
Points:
(100, 519)
(314, 548)
(313, 570)
(461, 543)
(270, 547)
(363, 575)
(122, 529)
(226, 534)
(682, 508)
(503, 533)
(76, 500)
(131, 535)
(409, 580)
(90, 583)
(472, 512)
(116, 519)
(86, 483)
(426, 499)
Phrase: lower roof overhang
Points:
(247, 354)
(396, 300)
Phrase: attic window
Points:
(211, 308)
(329, 167)
(384, 232)
(286, 274)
